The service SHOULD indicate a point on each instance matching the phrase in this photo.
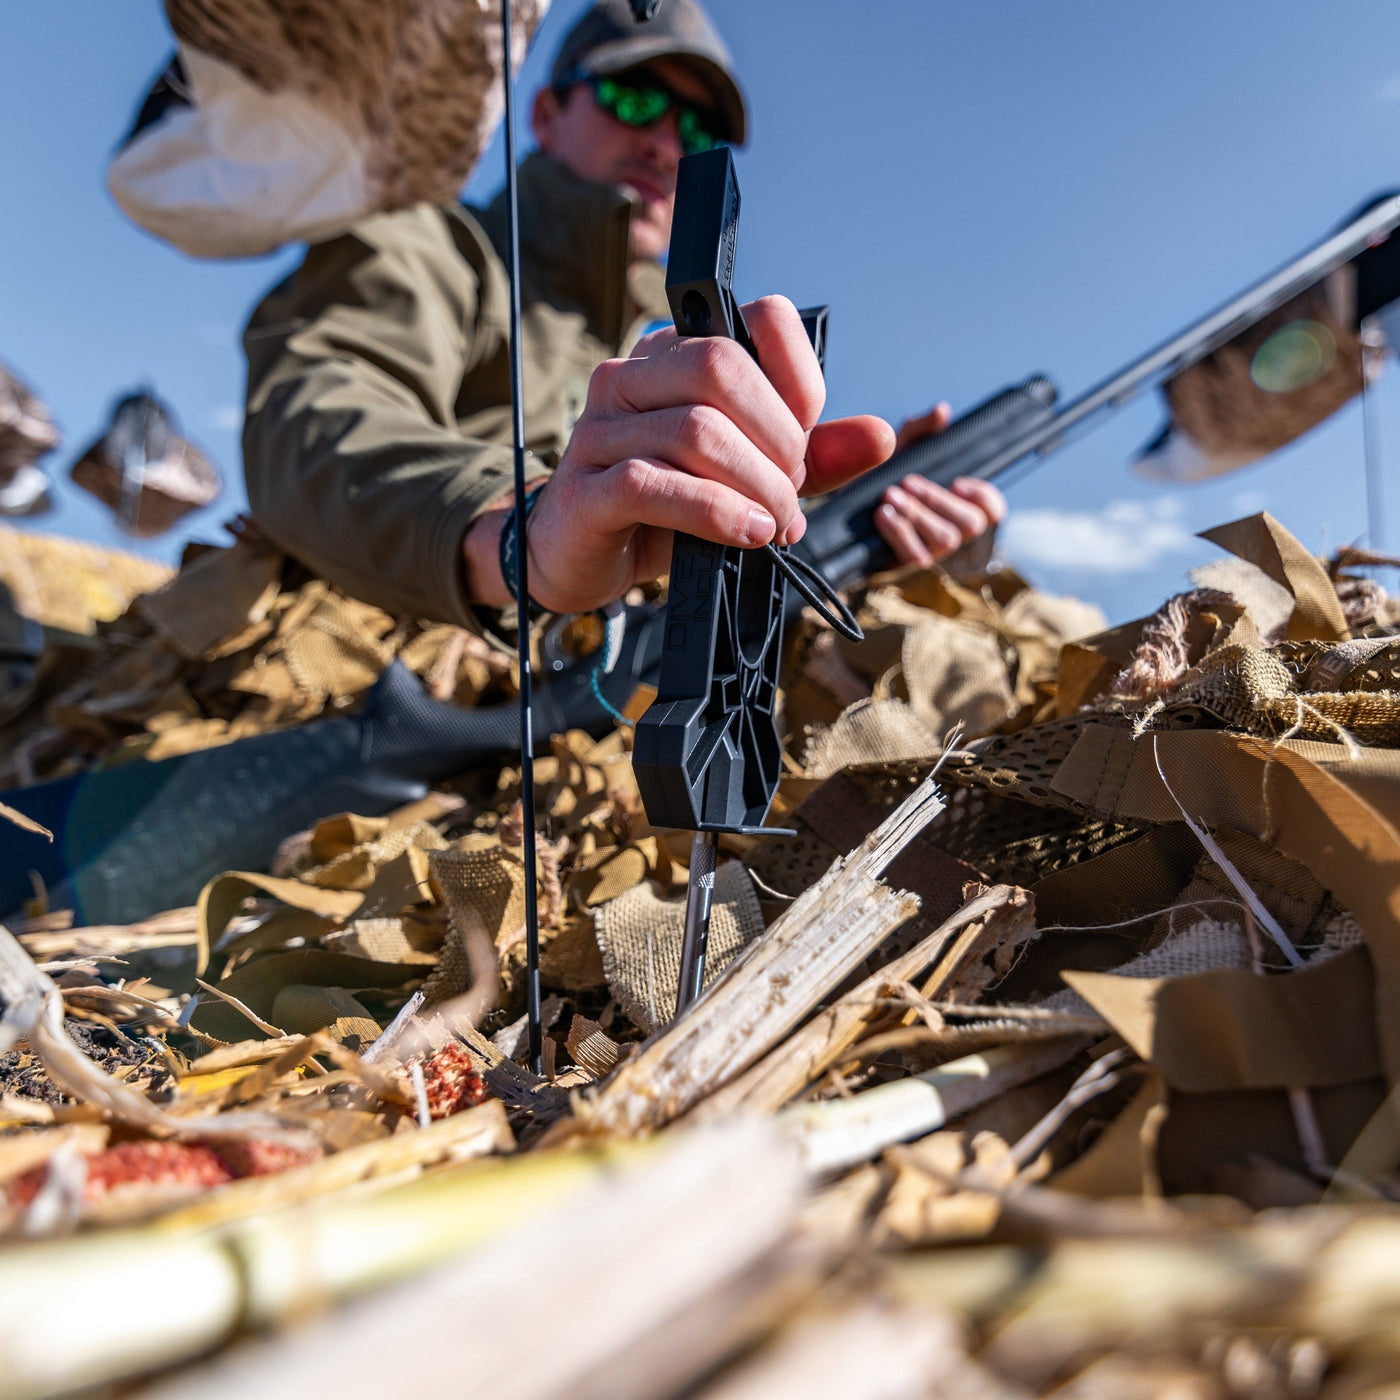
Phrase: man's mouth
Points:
(646, 188)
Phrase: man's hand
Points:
(923, 522)
(688, 434)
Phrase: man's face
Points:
(640, 160)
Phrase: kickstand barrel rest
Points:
(707, 753)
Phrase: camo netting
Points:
(241, 641)
(1199, 809)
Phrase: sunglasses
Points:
(642, 101)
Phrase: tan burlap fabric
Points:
(871, 731)
(239, 642)
(1206, 944)
(953, 669)
(484, 882)
(356, 869)
(382, 940)
(1267, 601)
(956, 673)
(640, 936)
(1260, 539)
(1254, 690)
(1372, 720)
(1060, 617)
(220, 594)
(336, 650)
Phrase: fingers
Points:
(916, 534)
(784, 353)
(702, 405)
(965, 516)
(787, 357)
(699, 440)
(923, 522)
(653, 342)
(984, 495)
(709, 371)
(606, 508)
(593, 534)
(897, 529)
(926, 425)
(842, 449)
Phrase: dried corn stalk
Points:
(766, 991)
(841, 1132)
(687, 1242)
(802, 1057)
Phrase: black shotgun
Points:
(141, 837)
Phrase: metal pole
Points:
(522, 578)
(1373, 348)
(700, 892)
(1208, 334)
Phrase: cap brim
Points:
(631, 52)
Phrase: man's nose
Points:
(662, 140)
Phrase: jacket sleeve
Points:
(353, 459)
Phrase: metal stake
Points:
(699, 895)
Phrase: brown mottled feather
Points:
(1220, 407)
(420, 79)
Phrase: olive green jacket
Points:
(378, 423)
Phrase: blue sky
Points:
(980, 191)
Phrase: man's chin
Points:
(648, 241)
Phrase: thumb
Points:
(925, 425)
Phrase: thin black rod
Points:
(1206, 335)
(1372, 352)
(522, 577)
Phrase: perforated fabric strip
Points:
(1336, 664)
(1022, 765)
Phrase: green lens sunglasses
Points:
(642, 102)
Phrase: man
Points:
(377, 436)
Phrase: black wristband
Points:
(507, 550)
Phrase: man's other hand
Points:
(924, 523)
(688, 434)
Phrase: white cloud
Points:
(1123, 537)
(228, 417)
